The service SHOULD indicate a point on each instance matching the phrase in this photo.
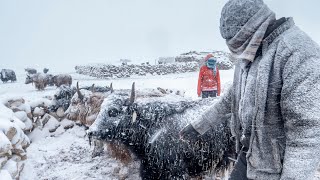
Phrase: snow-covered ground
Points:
(66, 154)
(186, 81)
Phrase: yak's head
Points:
(85, 106)
(129, 116)
(49, 79)
(29, 79)
(117, 114)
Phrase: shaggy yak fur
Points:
(148, 125)
(7, 75)
(31, 71)
(39, 80)
(61, 79)
(86, 104)
(49, 79)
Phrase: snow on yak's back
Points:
(147, 123)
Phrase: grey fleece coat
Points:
(276, 99)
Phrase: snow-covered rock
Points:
(5, 175)
(5, 145)
(14, 168)
(125, 71)
(40, 102)
(52, 124)
(13, 141)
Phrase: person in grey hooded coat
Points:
(274, 102)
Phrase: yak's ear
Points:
(111, 88)
(133, 94)
(80, 96)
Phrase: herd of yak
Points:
(143, 125)
(40, 80)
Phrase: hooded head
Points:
(235, 14)
(210, 61)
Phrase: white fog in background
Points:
(59, 34)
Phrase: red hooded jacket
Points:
(207, 80)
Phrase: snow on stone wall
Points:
(187, 62)
(17, 120)
(13, 143)
(123, 71)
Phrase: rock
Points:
(5, 145)
(14, 103)
(67, 124)
(45, 119)
(38, 112)
(12, 167)
(16, 158)
(11, 132)
(22, 115)
(5, 175)
(52, 124)
(19, 151)
(60, 112)
(3, 161)
(30, 116)
(20, 168)
(29, 125)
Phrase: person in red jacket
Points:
(209, 78)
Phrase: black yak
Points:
(148, 125)
(45, 70)
(8, 75)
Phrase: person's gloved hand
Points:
(188, 133)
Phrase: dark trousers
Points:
(240, 169)
(206, 94)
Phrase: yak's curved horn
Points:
(80, 96)
(92, 88)
(133, 94)
(111, 88)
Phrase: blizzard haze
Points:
(59, 34)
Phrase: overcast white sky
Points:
(61, 33)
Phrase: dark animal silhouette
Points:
(8, 75)
(147, 123)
